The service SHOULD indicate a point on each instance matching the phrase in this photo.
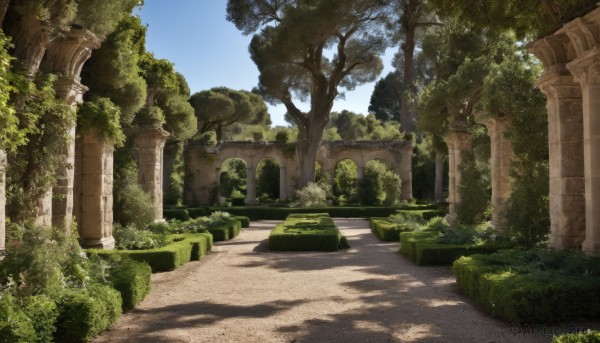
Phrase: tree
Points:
(290, 47)
(220, 107)
(526, 18)
(386, 100)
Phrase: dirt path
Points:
(369, 293)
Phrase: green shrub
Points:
(219, 218)
(133, 206)
(532, 286)
(245, 221)
(130, 237)
(197, 212)
(161, 228)
(387, 230)
(312, 195)
(132, 279)
(474, 190)
(589, 337)
(15, 325)
(307, 232)
(179, 214)
(85, 312)
(220, 233)
(197, 225)
(43, 314)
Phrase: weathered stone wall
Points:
(149, 143)
(203, 165)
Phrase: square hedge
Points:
(307, 232)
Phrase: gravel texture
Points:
(369, 293)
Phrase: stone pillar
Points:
(250, 186)
(458, 142)
(282, 183)
(360, 172)
(44, 210)
(586, 70)
(149, 142)
(2, 202)
(95, 220)
(66, 56)
(501, 157)
(565, 142)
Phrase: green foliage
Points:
(150, 116)
(113, 72)
(176, 214)
(132, 279)
(85, 312)
(245, 221)
(474, 190)
(307, 232)
(267, 180)
(379, 185)
(345, 181)
(233, 176)
(589, 337)
(102, 17)
(15, 325)
(386, 100)
(131, 238)
(311, 196)
(45, 123)
(43, 313)
(173, 195)
(100, 116)
(133, 206)
(532, 286)
(10, 135)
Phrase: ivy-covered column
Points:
(66, 57)
(501, 157)
(149, 142)
(94, 191)
(250, 185)
(458, 141)
(565, 143)
(586, 69)
(2, 202)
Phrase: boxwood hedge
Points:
(307, 232)
(537, 286)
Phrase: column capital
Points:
(67, 55)
(586, 68)
(150, 136)
(557, 86)
(458, 139)
(582, 35)
(70, 90)
(552, 51)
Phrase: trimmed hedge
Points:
(197, 212)
(179, 214)
(422, 248)
(132, 279)
(164, 258)
(590, 337)
(281, 213)
(386, 230)
(307, 232)
(532, 286)
(85, 312)
(29, 322)
(245, 221)
(226, 231)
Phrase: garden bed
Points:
(535, 286)
(307, 232)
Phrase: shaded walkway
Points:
(369, 293)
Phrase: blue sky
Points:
(210, 52)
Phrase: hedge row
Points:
(132, 279)
(386, 230)
(536, 286)
(226, 231)
(590, 337)
(307, 232)
(422, 248)
(245, 221)
(169, 257)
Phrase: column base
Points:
(565, 242)
(591, 248)
(107, 243)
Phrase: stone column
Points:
(565, 142)
(96, 215)
(2, 202)
(405, 170)
(458, 142)
(501, 157)
(586, 70)
(66, 56)
(250, 186)
(149, 142)
(282, 183)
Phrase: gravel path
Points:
(369, 293)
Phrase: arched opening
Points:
(232, 181)
(267, 181)
(345, 182)
(379, 185)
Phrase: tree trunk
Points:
(308, 143)
(409, 23)
(439, 177)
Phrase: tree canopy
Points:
(291, 45)
(386, 100)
